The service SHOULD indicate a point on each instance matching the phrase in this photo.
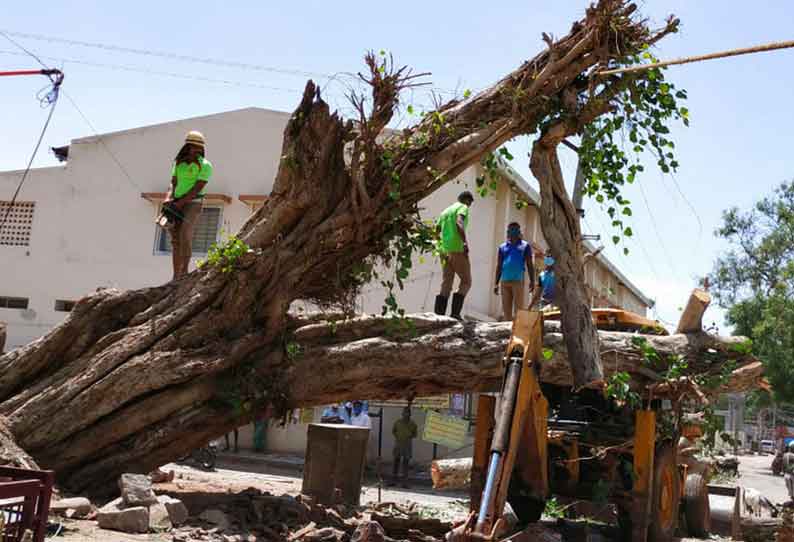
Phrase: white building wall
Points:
(92, 228)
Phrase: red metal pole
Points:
(21, 72)
(32, 72)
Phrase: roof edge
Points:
(92, 138)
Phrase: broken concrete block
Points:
(80, 505)
(159, 519)
(116, 517)
(216, 517)
(177, 511)
(136, 490)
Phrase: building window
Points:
(64, 305)
(13, 302)
(18, 223)
(205, 232)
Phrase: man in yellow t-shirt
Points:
(189, 177)
(454, 248)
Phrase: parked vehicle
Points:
(767, 446)
(205, 457)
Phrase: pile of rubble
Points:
(139, 510)
(253, 515)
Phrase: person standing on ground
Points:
(260, 430)
(236, 438)
(788, 470)
(189, 177)
(514, 256)
(404, 431)
(359, 417)
(334, 413)
(454, 249)
(546, 289)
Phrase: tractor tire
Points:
(666, 495)
(696, 506)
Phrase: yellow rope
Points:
(688, 59)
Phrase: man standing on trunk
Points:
(189, 177)
(547, 284)
(513, 257)
(454, 249)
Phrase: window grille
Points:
(13, 302)
(16, 229)
(205, 232)
(64, 305)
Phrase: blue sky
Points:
(735, 151)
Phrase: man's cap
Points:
(195, 137)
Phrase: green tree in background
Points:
(754, 281)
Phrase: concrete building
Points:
(89, 223)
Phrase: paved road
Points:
(756, 471)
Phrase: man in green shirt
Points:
(189, 177)
(454, 249)
(404, 432)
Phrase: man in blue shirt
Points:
(514, 256)
(547, 284)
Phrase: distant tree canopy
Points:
(754, 280)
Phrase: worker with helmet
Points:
(189, 177)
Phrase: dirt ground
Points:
(200, 490)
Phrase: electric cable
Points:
(194, 59)
(136, 69)
(102, 142)
(50, 99)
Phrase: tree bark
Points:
(692, 317)
(451, 473)
(133, 379)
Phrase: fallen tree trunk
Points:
(133, 379)
(366, 358)
(451, 473)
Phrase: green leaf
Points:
(627, 232)
(410, 109)
(615, 239)
(548, 353)
(466, 94)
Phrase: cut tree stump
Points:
(451, 473)
(691, 319)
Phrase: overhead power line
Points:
(169, 55)
(136, 69)
(195, 59)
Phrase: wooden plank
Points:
(483, 430)
(692, 318)
(644, 447)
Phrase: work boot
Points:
(441, 305)
(457, 306)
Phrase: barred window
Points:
(64, 305)
(13, 302)
(18, 223)
(205, 232)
